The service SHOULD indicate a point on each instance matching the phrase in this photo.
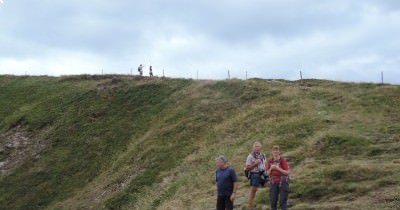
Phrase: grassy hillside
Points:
(115, 142)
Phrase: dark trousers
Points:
(224, 203)
(280, 193)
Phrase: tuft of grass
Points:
(341, 144)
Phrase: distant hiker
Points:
(278, 169)
(255, 171)
(140, 69)
(151, 71)
(227, 184)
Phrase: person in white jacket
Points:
(255, 165)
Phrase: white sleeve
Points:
(249, 160)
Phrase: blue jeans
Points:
(256, 180)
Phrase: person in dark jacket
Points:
(151, 71)
(227, 184)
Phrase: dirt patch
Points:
(16, 145)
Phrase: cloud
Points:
(58, 63)
(342, 40)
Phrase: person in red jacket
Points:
(278, 170)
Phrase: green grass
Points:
(118, 142)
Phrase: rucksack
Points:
(247, 173)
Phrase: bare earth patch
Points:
(17, 145)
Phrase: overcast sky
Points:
(336, 39)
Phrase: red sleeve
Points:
(285, 165)
(268, 165)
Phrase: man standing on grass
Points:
(151, 71)
(227, 184)
(140, 69)
(255, 165)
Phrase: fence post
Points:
(229, 75)
(382, 77)
(301, 77)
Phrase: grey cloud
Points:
(267, 38)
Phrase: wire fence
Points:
(245, 75)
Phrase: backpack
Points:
(247, 173)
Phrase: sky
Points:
(336, 40)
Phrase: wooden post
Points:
(382, 77)
(301, 77)
(229, 75)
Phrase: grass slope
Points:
(116, 142)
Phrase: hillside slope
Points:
(116, 142)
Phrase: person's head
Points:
(257, 147)
(276, 151)
(221, 162)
